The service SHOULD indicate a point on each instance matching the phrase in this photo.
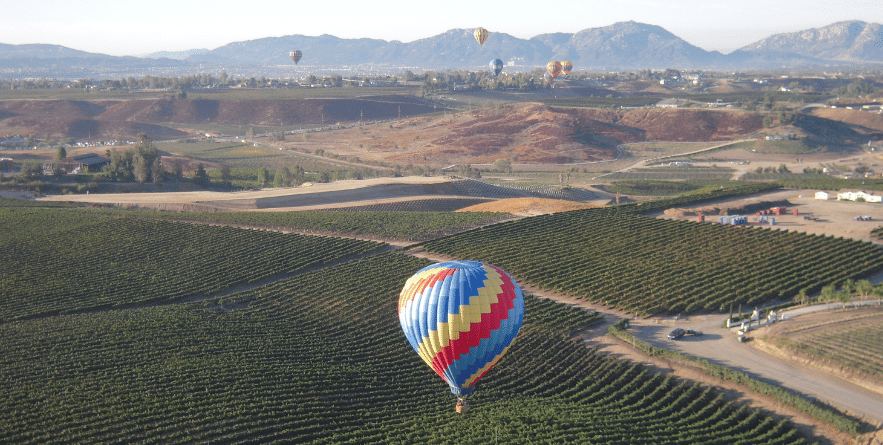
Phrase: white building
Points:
(821, 195)
(854, 196)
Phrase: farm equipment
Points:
(863, 218)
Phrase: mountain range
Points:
(620, 46)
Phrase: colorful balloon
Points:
(461, 317)
(496, 66)
(295, 55)
(566, 66)
(480, 35)
(553, 68)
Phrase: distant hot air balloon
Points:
(295, 55)
(480, 35)
(566, 66)
(461, 317)
(496, 66)
(553, 68)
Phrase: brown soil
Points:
(526, 133)
(166, 118)
(528, 206)
(863, 121)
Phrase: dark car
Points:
(692, 332)
(676, 334)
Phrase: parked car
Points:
(676, 334)
(692, 332)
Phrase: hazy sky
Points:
(120, 27)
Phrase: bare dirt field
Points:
(526, 133)
(166, 118)
(828, 217)
(306, 197)
(528, 206)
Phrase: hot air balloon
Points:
(461, 317)
(553, 68)
(295, 55)
(566, 66)
(480, 35)
(496, 66)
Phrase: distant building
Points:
(855, 196)
(6, 164)
(821, 195)
(671, 103)
(94, 162)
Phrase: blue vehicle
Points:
(676, 334)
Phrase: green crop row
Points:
(647, 265)
(321, 358)
(70, 260)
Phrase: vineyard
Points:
(416, 205)
(671, 174)
(647, 265)
(60, 261)
(847, 342)
(320, 358)
(248, 158)
(393, 225)
(645, 187)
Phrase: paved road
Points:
(719, 345)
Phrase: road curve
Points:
(719, 345)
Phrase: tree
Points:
(802, 298)
(844, 296)
(201, 177)
(503, 165)
(29, 172)
(226, 176)
(864, 288)
(263, 177)
(829, 293)
(157, 171)
(60, 154)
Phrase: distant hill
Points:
(852, 41)
(620, 46)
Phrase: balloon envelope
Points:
(480, 35)
(553, 68)
(566, 66)
(295, 55)
(461, 317)
(496, 66)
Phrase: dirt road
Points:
(719, 345)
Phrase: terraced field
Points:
(843, 342)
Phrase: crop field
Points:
(671, 174)
(844, 341)
(419, 205)
(321, 358)
(398, 225)
(72, 260)
(646, 187)
(647, 265)
(247, 156)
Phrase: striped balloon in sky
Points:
(461, 317)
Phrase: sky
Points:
(136, 28)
